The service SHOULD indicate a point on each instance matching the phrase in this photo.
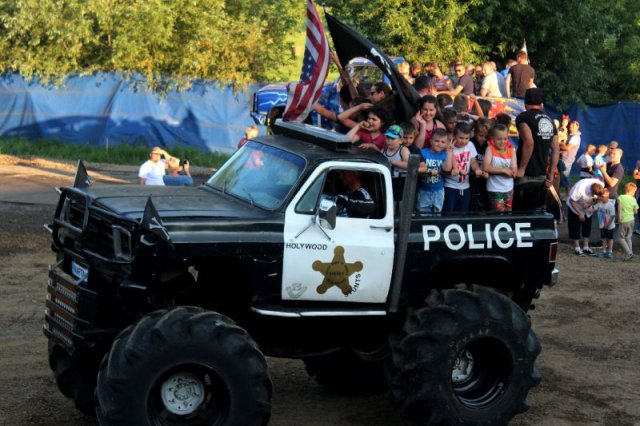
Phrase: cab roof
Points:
(316, 144)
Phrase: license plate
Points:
(78, 271)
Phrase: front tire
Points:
(185, 366)
(467, 357)
(75, 377)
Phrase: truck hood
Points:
(171, 201)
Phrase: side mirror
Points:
(327, 212)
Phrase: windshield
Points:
(360, 73)
(259, 174)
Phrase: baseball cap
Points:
(613, 144)
(394, 132)
(156, 149)
(534, 96)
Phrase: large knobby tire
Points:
(185, 366)
(344, 372)
(467, 357)
(75, 377)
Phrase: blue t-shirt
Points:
(433, 160)
(179, 180)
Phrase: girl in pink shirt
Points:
(371, 131)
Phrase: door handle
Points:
(384, 227)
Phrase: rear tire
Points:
(467, 357)
(185, 366)
(75, 377)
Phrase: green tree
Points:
(168, 41)
(623, 50)
(566, 40)
(421, 30)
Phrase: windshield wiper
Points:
(249, 194)
(224, 183)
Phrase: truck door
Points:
(352, 262)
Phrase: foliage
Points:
(587, 51)
(623, 49)
(233, 41)
(434, 31)
(567, 57)
(132, 154)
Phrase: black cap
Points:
(534, 96)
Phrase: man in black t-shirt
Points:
(465, 82)
(613, 172)
(538, 138)
(520, 77)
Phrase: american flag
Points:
(303, 95)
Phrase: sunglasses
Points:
(373, 92)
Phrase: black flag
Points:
(151, 222)
(82, 179)
(350, 44)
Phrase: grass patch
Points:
(129, 154)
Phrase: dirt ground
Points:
(588, 325)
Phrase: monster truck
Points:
(164, 302)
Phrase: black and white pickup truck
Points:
(164, 301)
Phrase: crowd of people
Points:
(599, 190)
(467, 162)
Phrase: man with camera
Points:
(177, 175)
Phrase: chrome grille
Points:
(66, 302)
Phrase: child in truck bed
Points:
(501, 165)
(431, 183)
(457, 194)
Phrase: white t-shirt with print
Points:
(462, 160)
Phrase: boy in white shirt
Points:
(457, 195)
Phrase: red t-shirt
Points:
(428, 133)
(365, 137)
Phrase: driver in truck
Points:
(357, 202)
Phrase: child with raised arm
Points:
(501, 165)
(371, 131)
(457, 194)
(431, 182)
(627, 209)
(426, 120)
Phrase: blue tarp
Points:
(600, 125)
(106, 107)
